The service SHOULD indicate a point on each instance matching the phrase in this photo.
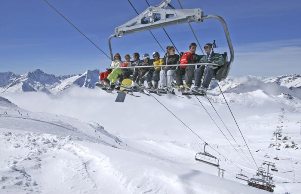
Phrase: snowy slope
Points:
(155, 152)
(142, 147)
(288, 85)
(41, 151)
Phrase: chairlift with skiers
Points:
(165, 15)
(263, 178)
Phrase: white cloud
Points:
(268, 58)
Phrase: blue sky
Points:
(266, 34)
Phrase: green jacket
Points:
(215, 58)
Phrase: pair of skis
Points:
(129, 90)
(193, 92)
(122, 94)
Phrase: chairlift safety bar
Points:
(213, 65)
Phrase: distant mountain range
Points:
(40, 81)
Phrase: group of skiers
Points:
(160, 73)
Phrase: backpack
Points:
(185, 59)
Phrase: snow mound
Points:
(273, 86)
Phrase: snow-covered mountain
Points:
(287, 85)
(48, 83)
(6, 78)
(87, 80)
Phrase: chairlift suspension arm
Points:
(161, 16)
(166, 33)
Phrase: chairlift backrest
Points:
(223, 71)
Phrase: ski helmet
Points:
(145, 56)
(156, 54)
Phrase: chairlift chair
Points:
(207, 158)
(261, 184)
(263, 179)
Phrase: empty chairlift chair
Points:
(207, 158)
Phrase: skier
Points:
(207, 72)
(116, 71)
(167, 73)
(126, 73)
(142, 74)
(166, 52)
(124, 78)
(157, 62)
(136, 61)
(188, 57)
(103, 81)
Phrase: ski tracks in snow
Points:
(29, 150)
(43, 162)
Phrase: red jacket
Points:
(186, 58)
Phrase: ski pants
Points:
(141, 75)
(126, 73)
(188, 72)
(208, 75)
(166, 78)
(198, 75)
(156, 76)
(114, 75)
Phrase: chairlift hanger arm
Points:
(161, 16)
(156, 17)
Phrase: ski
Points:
(193, 92)
(154, 91)
(120, 96)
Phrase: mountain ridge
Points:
(39, 81)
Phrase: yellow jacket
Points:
(158, 63)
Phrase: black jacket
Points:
(171, 60)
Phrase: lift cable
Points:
(192, 131)
(166, 32)
(219, 128)
(173, 113)
(148, 30)
(192, 30)
(221, 120)
(237, 124)
(224, 124)
(75, 27)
